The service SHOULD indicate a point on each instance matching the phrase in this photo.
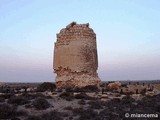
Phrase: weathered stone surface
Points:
(75, 57)
(114, 85)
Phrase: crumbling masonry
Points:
(75, 57)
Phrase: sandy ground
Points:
(62, 105)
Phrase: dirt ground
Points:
(64, 105)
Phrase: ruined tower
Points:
(75, 57)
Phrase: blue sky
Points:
(128, 37)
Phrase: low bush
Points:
(68, 108)
(89, 88)
(7, 111)
(67, 96)
(150, 103)
(107, 89)
(127, 100)
(2, 99)
(88, 114)
(143, 92)
(53, 115)
(18, 100)
(15, 118)
(21, 113)
(46, 86)
(124, 85)
(83, 95)
(10, 112)
(29, 96)
(28, 106)
(95, 104)
(82, 102)
(108, 114)
(33, 118)
(85, 114)
(41, 104)
(6, 90)
(68, 89)
(6, 95)
(102, 85)
(76, 111)
(116, 100)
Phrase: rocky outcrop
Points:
(75, 57)
(114, 85)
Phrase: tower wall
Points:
(75, 57)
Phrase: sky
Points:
(127, 31)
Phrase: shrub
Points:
(46, 86)
(7, 111)
(10, 112)
(67, 96)
(21, 113)
(127, 100)
(28, 106)
(32, 96)
(6, 95)
(18, 100)
(68, 89)
(48, 97)
(15, 118)
(124, 85)
(6, 89)
(82, 102)
(41, 104)
(68, 108)
(83, 95)
(108, 114)
(88, 114)
(102, 85)
(95, 104)
(53, 115)
(150, 103)
(116, 100)
(76, 111)
(89, 88)
(2, 99)
(107, 89)
(70, 118)
(143, 92)
(33, 118)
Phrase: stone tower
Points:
(75, 57)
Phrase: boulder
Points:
(114, 85)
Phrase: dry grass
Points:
(157, 86)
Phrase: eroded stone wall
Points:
(75, 57)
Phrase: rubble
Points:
(114, 85)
